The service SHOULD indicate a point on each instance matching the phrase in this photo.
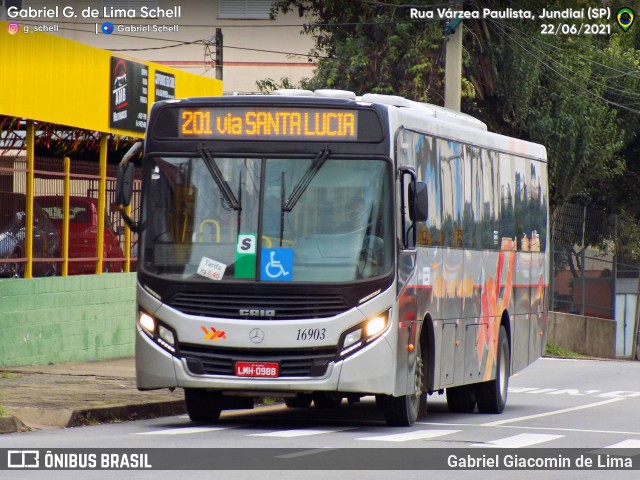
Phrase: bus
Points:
(322, 246)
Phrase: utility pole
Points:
(453, 62)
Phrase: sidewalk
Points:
(74, 394)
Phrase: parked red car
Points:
(46, 243)
(83, 233)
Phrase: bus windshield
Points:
(316, 219)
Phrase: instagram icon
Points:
(13, 28)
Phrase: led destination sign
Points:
(252, 123)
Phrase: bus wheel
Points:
(202, 405)
(403, 411)
(302, 400)
(461, 399)
(492, 395)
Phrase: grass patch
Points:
(559, 352)
(7, 374)
(269, 401)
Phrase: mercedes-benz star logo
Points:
(256, 335)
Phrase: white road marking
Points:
(553, 412)
(405, 437)
(575, 392)
(183, 431)
(518, 441)
(299, 432)
(626, 444)
(516, 427)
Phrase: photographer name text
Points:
(33, 13)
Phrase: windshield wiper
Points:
(222, 184)
(301, 186)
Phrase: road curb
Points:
(11, 424)
(28, 417)
(121, 413)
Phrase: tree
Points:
(564, 91)
(370, 47)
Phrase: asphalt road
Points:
(552, 405)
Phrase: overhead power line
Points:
(569, 69)
(566, 78)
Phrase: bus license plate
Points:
(257, 369)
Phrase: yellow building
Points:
(48, 78)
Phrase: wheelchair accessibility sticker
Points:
(276, 264)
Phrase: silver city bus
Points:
(319, 246)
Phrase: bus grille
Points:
(203, 360)
(228, 305)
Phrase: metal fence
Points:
(48, 252)
(595, 261)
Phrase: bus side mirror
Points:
(124, 180)
(418, 201)
(124, 184)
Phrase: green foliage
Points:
(570, 93)
(559, 352)
(370, 47)
(268, 85)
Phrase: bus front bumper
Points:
(367, 371)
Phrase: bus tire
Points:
(403, 411)
(461, 399)
(202, 405)
(302, 400)
(492, 395)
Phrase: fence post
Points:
(582, 282)
(552, 269)
(614, 267)
(65, 216)
(102, 194)
(582, 266)
(127, 243)
(31, 163)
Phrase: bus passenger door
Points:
(413, 209)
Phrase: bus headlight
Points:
(376, 325)
(157, 331)
(147, 322)
(362, 334)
